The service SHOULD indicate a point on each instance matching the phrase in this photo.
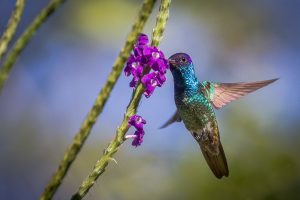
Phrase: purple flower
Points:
(137, 141)
(161, 78)
(137, 122)
(133, 67)
(150, 81)
(156, 59)
(142, 39)
(146, 56)
(133, 82)
(138, 52)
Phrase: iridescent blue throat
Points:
(185, 80)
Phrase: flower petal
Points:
(142, 39)
(137, 141)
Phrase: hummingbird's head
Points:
(179, 60)
(183, 71)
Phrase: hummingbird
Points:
(195, 102)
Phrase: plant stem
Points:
(119, 138)
(101, 99)
(25, 38)
(11, 26)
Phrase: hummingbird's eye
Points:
(183, 59)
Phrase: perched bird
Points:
(195, 102)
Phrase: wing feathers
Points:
(220, 94)
(174, 118)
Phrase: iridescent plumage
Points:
(195, 102)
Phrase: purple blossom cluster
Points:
(137, 122)
(146, 56)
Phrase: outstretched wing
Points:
(175, 118)
(220, 94)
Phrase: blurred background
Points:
(59, 74)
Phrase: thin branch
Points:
(11, 26)
(114, 145)
(25, 38)
(102, 97)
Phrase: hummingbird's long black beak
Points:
(172, 62)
